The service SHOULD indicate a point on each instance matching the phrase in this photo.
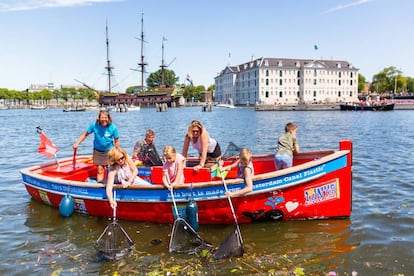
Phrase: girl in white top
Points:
(206, 146)
(173, 169)
(122, 170)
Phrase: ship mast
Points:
(142, 64)
(108, 62)
(163, 64)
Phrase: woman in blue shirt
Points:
(106, 137)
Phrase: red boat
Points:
(318, 186)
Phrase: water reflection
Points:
(378, 239)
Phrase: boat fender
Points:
(192, 214)
(66, 206)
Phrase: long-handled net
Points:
(231, 150)
(114, 242)
(184, 239)
(232, 246)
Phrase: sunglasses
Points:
(196, 131)
(121, 159)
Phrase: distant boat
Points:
(38, 107)
(134, 108)
(360, 107)
(74, 109)
(230, 104)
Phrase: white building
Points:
(287, 81)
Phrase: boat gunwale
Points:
(31, 172)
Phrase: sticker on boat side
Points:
(323, 192)
(43, 195)
(80, 206)
(290, 206)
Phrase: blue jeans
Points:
(283, 161)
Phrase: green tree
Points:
(387, 80)
(211, 87)
(410, 85)
(133, 89)
(361, 83)
(155, 79)
(193, 92)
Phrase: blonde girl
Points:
(173, 168)
(245, 170)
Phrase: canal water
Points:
(378, 238)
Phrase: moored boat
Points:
(360, 107)
(74, 109)
(318, 186)
(229, 104)
(38, 107)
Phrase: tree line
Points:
(68, 95)
(388, 81)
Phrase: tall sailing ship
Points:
(144, 98)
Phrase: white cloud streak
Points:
(24, 5)
(345, 6)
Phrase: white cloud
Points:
(22, 5)
(345, 6)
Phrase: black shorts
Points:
(216, 153)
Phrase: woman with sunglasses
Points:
(122, 170)
(207, 147)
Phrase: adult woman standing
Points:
(106, 137)
(198, 137)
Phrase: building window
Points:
(267, 94)
(351, 82)
(339, 74)
(267, 73)
(298, 81)
(280, 82)
(281, 94)
(280, 73)
(314, 93)
(339, 93)
(314, 81)
(267, 81)
(298, 74)
(315, 73)
(339, 82)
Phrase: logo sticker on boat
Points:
(80, 206)
(323, 192)
(43, 195)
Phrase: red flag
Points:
(46, 146)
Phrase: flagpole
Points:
(57, 162)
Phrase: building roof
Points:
(287, 63)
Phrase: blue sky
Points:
(62, 40)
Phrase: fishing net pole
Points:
(184, 239)
(114, 242)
